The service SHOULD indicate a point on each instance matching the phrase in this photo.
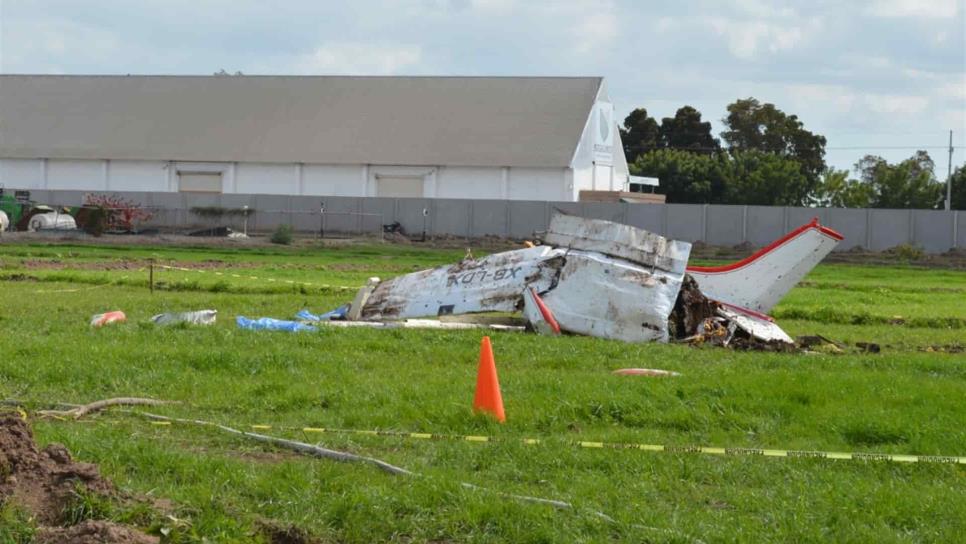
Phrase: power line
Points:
(833, 148)
(858, 147)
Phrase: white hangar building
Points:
(518, 138)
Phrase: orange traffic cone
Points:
(488, 398)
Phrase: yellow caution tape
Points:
(256, 278)
(665, 448)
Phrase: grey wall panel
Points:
(67, 198)
(271, 211)
(236, 222)
(39, 196)
(233, 201)
(764, 224)
(133, 197)
(932, 230)
(724, 225)
(572, 208)
(377, 212)
(200, 200)
(685, 222)
(343, 214)
(307, 203)
(333, 204)
(960, 221)
(649, 217)
(451, 217)
(166, 200)
(489, 218)
(528, 217)
(409, 213)
(889, 228)
(192, 200)
(850, 223)
(169, 210)
(608, 211)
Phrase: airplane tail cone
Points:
(488, 399)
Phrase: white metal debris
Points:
(603, 279)
(757, 326)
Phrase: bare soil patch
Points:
(44, 481)
(128, 264)
(280, 533)
(93, 532)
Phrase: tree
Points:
(753, 125)
(909, 184)
(686, 131)
(763, 179)
(959, 189)
(639, 134)
(686, 178)
(836, 190)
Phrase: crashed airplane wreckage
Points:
(604, 279)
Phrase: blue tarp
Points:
(269, 324)
(337, 314)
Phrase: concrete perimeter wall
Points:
(875, 229)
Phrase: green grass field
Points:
(907, 399)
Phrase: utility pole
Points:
(949, 175)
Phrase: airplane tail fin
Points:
(761, 280)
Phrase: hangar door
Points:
(399, 186)
(199, 182)
(602, 177)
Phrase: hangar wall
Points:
(287, 178)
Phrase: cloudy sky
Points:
(874, 76)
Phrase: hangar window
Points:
(199, 182)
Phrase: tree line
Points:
(767, 157)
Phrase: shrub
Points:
(116, 213)
(93, 219)
(906, 252)
(282, 235)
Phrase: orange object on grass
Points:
(488, 398)
(100, 320)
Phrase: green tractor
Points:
(13, 207)
(18, 212)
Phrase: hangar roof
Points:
(460, 121)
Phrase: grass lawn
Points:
(218, 488)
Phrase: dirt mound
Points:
(278, 533)
(93, 532)
(44, 481)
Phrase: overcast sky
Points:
(868, 74)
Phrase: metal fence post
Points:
(956, 229)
